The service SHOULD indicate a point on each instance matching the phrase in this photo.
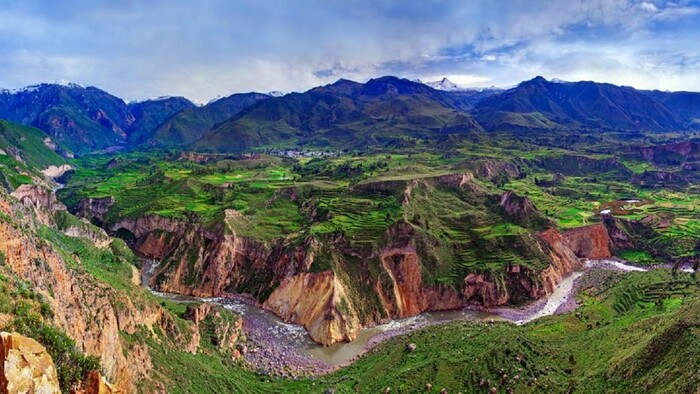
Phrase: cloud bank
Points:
(138, 49)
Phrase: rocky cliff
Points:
(332, 304)
(591, 242)
(42, 201)
(95, 314)
(519, 283)
(318, 301)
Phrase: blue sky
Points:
(207, 48)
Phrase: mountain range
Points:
(386, 111)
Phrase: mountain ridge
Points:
(383, 111)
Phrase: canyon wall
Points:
(215, 262)
(591, 242)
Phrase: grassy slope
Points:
(25, 154)
(335, 194)
(599, 349)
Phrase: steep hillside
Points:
(82, 118)
(540, 104)
(75, 290)
(190, 124)
(25, 152)
(386, 111)
(150, 114)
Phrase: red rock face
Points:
(204, 262)
(591, 242)
(684, 149)
(404, 269)
(90, 312)
(318, 301)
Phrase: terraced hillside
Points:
(393, 233)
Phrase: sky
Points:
(210, 48)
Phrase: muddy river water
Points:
(289, 344)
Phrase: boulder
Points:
(26, 366)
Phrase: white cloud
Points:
(648, 7)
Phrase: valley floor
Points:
(285, 350)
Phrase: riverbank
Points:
(283, 349)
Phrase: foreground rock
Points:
(26, 366)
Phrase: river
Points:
(282, 345)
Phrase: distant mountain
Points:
(466, 97)
(83, 118)
(191, 123)
(386, 111)
(685, 104)
(150, 114)
(346, 114)
(540, 104)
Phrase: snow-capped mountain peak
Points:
(444, 84)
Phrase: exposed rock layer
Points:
(592, 242)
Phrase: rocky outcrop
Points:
(149, 223)
(403, 267)
(318, 301)
(485, 290)
(455, 180)
(591, 242)
(96, 384)
(38, 197)
(94, 208)
(563, 261)
(26, 366)
(56, 171)
(660, 153)
(492, 170)
(41, 200)
(91, 312)
(516, 206)
(518, 283)
(95, 234)
(214, 262)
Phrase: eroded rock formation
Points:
(319, 302)
(215, 262)
(591, 242)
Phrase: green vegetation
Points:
(600, 348)
(23, 154)
(362, 194)
(629, 332)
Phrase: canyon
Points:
(216, 262)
